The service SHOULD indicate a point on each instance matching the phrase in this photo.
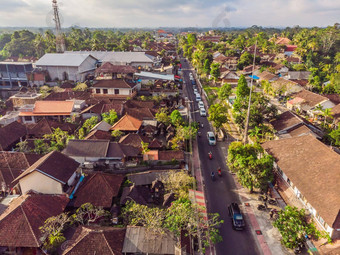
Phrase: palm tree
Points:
(327, 113)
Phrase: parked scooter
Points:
(261, 207)
(272, 201)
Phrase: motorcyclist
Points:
(212, 175)
(210, 154)
(219, 170)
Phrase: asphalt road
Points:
(220, 192)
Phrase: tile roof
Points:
(54, 164)
(299, 75)
(116, 83)
(63, 59)
(286, 121)
(336, 111)
(134, 140)
(98, 135)
(97, 240)
(141, 113)
(98, 189)
(53, 107)
(267, 76)
(286, 85)
(107, 67)
(127, 123)
(67, 95)
(155, 144)
(11, 134)
(311, 99)
(313, 168)
(139, 104)
(171, 155)
(283, 40)
(146, 178)
(12, 164)
(87, 148)
(45, 126)
(301, 130)
(19, 224)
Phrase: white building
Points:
(67, 66)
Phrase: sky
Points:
(172, 13)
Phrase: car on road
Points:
(201, 104)
(236, 216)
(211, 138)
(203, 113)
(195, 91)
(198, 97)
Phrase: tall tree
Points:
(218, 115)
(224, 92)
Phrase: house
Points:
(117, 88)
(214, 39)
(54, 173)
(67, 66)
(37, 77)
(140, 60)
(20, 224)
(12, 164)
(229, 77)
(52, 110)
(309, 170)
(267, 76)
(283, 41)
(134, 140)
(289, 50)
(99, 189)
(285, 87)
(289, 125)
(293, 60)
(97, 240)
(100, 152)
(127, 124)
(69, 95)
(24, 98)
(280, 69)
(165, 156)
(11, 134)
(336, 114)
(298, 75)
(146, 77)
(307, 101)
(98, 135)
(101, 107)
(47, 127)
(140, 241)
(109, 71)
(13, 74)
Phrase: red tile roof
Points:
(134, 140)
(314, 169)
(127, 123)
(171, 155)
(117, 83)
(11, 134)
(19, 224)
(98, 135)
(45, 126)
(98, 189)
(96, 240)
(290, 47)
(54, 164)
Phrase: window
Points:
(116, 91)
(28, 118)
(104, 91)
(97, 91)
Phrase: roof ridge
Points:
(80, 237)
(107, 243)
(28, 222)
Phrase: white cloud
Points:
(183, 13)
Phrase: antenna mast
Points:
(60, 43)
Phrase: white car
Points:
(195, 91)
(211, 138)
(200, 105)
(198, 97)
(203, 113)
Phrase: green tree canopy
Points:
(224, 92)
(218, 115)
(176, 118)
(110, 117)
(162, 116)
(252, 166)
(215, 71)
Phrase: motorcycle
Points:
(219, 171)
(272, 201)
(261, 207)
(199, 134)
(212, 176)
(210, 155)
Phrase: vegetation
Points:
(87, 126)
(217, 114)
(178, 183)
(252, 166)
(110, 117)
(224, 92)
(293, 227)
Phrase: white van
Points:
(211, 138)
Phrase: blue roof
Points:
(254, 77)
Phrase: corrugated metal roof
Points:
(116, 57)
(168, 77)
(63, 59)
(138, 239)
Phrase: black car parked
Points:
(236, 216)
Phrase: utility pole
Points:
(251, 89)
(60, 43)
